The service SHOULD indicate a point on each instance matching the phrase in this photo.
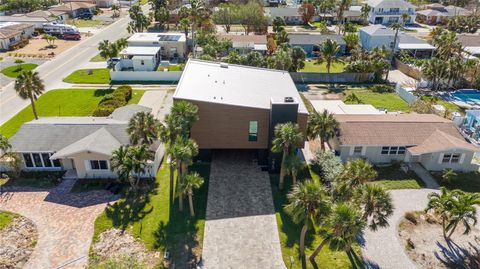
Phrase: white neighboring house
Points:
(12, 33)
(37, 18)
(374, 36)
(390, 11)
(339, 107)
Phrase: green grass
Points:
(389, 101)
(84, 23)
(439, 101)
(158, 223)
(176, 67)
(289, 233)
(16, 70)
(41, 183)
(468, 182)
(6, 218)
(62, 102)
(98, 58)
(89, 76)
(392, 178)
(313, 66)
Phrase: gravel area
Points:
(17, 241)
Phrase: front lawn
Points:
(313, 66)
(173, 67)
(394, 178)
(5, 219)
(289, 233)
(62, 102)
(390, 101)
(98, 58)
(16, 70)
(439, 101)
(89, 76)
(469, 182)
(158, 223)
(84, 23)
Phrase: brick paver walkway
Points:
(241, 228)
(64, 222)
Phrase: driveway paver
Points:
(64, 222)
(241, 227)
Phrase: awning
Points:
(413, 46)
(140, 50)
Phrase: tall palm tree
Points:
(196, 13)
(376, 204)
(396, 27)
(139, 157)
(323, 126)
(328, 53)
(5, 146)
(345, 224)
(287, 137)
(442, 204)
(29, 86)
(357, 172)
(308, 204)
(293, 165)
(169, 133)
(143, 128)
(343, 5)
(464, 210)
(191, 181)
(183, 151)
(121, 164)
(185, 26)
(365, 11)
(185, 114)
(405, 18)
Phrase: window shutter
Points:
(351, 150)
(462, 158)
(440, 158)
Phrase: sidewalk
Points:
(426, 177)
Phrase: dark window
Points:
(446, 158)
(46, 159)
(94, 165)
(357, 150)
(57, 163)
(385, 150)
(393, 150)
(37, 160)
(103, 165)
(98, 165)
(401, 150)
(455, 158)
(28, 159)
(253, 131)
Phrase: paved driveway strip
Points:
(64, 222)
(241, 228)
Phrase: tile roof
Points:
(71, 6)
(440, 141)
(13, 29)
(402, 129)
(257, 39)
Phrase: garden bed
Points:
(16, 70)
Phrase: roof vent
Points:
(223, 65)
(288, 100)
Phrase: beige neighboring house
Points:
(37, 18)
(74, 9)
(427, 139)
(98, 3)
(244, 44)
(12, 33)
(82, 146)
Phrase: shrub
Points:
(328, 165)
(382, 88)
(352, 98)
(110, 102)
(124, 91)
(103, 111)
(411, 216)
(114, 102)
(19, 61)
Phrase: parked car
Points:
(71, 36)
(112, 62)
(86, 16)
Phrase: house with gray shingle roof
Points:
(427, 139)
(311, 43)
(80, 144)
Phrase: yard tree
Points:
(321, 126)
(116, 10)
(298, 58)
(252, 17)
(143, 128)
(138, 157)
(29, 85)
(293, 165)
(190, 182)
(185, 114)
(287, 138)
(168, 133)
(278, 24)
(108, 49)
(448, 175)
(226, 15)
(343, 5)
(5, 145)
(365, 10)
(138, 20)
(50, 40)
(396, 27)
(357, 172)
(197, 12)
(308, 204)
(185, 26)
(120, 163)
(328, 53)
(254, 58)
(234, 57)
(306, 11)
(345, 224)
(282, 37)
(282, 60)
(160, 11)
(376, 204)
(441, 204)
(405, 18)
(324, 6)
(351, 40)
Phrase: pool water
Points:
(467, 96)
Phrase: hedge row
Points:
(110, 102)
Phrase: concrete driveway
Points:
(240, 228)
(64, 222)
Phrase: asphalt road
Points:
(53, 71)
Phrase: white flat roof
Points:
(339, 107)
(415, 46)
(157, 37)
(473, 50)
(140, 50)
(235, 85)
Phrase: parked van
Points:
(57, 29)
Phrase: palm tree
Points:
(116, 10)
(442, 204)
(308, 204)
(351, 40)
(365, 11)
(376, 204)
(139, 157)
(185, 114)
(448, 175)
(357, 172)
(5, 146)
(293, 165)
(342, 6)
(396, 27)
(196, 12)
(29, 86)
(120, 163)
(169, 133)
(405, 18)
(328, 53)
(463, 211)
(185, 26)
(191, 181)
(345, 224)
(143, 128)
(323, 126)
(287, 137)
(183, 151)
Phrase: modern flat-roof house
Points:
(37, 18)
(239, 106)
(311, 43)
(13, 34)
(439, 14)
(244, 44)
(427, 139)
(374, 36)
(81, 145)
(390, 11)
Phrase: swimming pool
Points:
(467, 96)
